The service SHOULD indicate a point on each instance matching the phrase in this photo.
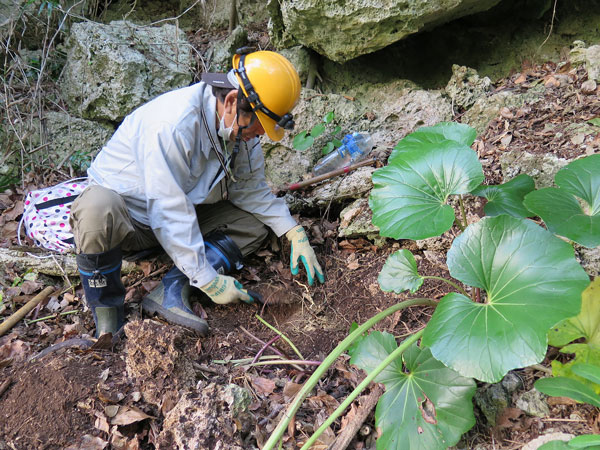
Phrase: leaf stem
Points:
(451, 283)
(247, 360)
(330, 359)
(361, 387)
(283, 336)
(52, 316)
(285, 361)
(462, 212)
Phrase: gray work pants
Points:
(100, 222)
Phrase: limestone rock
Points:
(387, 112)
(494, 398)
(466, 87)
(545, 438)
(211, 416)
(299, 56)
(112, 69)
(542, 168)
(284, 164)
(589, 57)
(71, 139)
(356, 27)
(485, 109)
(589, 259)
(156, 359)
(534, 403)
(221, 53)
(356, 221)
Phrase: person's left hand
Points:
(302, 251)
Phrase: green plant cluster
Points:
(514, 280)
(305, 139)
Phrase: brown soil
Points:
(61, 400)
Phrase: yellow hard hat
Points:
(272, 86)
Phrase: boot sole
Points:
(152, 307)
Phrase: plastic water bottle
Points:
(355, 146)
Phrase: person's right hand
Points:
(225, 289)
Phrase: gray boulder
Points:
(542, 168)
(589, 57)
(466, 86)
(344, 30)
(112, 69)
(71, 140)
(220, 53)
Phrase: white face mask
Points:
(223, 131)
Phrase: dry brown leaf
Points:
(353, 265)
(263, 385)
(508, 417)
(15, 350)
(14, 212)
(128, 415)
(147, 267)
(522, 78)
(553, 401)
(291, 389)
(506, 140)
(101, 423)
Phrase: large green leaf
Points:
(560, 208)
(586, 441)
(587, 326)
(531, 282)
(399, 273)
(409, 195)
(426, 405)
(507, 198)
(567, 387)
(441, 132)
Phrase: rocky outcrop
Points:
(357, 27)
(112, 69)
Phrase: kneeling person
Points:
(179, 171)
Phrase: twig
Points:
(551, 25)
(264, 343)
(244, 360)
(283, 336)
(347, 434)
(286, 361)
(24, 310)
(264, 347)
(5, 385)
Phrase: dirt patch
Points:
(48, 404)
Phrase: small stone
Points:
(533, 402)
(589, 87)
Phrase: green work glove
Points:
(225, 289)
(301, 250)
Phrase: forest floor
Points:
(67, 396)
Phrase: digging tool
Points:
(333, 173)
(24, 310)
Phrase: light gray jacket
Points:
(161, 161)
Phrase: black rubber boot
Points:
(171, 300)
(104, 291)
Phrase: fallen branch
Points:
(350, 430)
(48, 263)
(24, 310)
